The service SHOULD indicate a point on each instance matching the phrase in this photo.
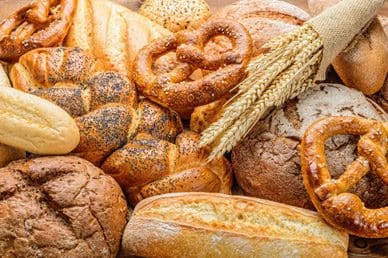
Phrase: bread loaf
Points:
(111, 32)
(59, 207)
(364, 64)
(216, 225)
(176, 15)
(267, 162)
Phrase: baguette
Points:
(34, 124)
(217, 225)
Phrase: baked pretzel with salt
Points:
(330, 197)
(173, 89)
(42, 23)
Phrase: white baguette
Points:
(217, 225)
(34, 124)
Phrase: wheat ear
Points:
(284, 72)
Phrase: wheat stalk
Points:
(283, 73)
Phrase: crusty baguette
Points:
(217, 225)
(36, 125)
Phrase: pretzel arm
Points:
(39, 11)
(352, 175)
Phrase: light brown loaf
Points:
(176, 15)
(364, 64)
(216, 225)
(111, 32)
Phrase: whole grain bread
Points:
(267, 162)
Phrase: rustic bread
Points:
(216, 225)
(176, 15)
(59, 207)
(111, 32)
(364, 64)
(267, 162)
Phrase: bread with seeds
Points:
(216, 225)
(139, 143)
(176, 15)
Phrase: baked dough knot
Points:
(330, 197)
(42, 23)
(173, 89)
(139, 143)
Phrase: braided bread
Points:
(135, 141)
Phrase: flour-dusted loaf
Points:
(217, 225)
(267, 162)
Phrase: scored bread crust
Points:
(216, 225)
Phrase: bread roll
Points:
(267, 162)
(364, 64)
(176, 15)
(216, 225)
(59, 207)
(36, 125)
(111, 32)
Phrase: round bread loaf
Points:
(176, 15)
(267, 161)
(364, 64)
(59, 207)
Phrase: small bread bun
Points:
(176, 15)
(34, 124)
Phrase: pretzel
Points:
(42, 23)
(173, 89)
(330, 197)
(139, 143)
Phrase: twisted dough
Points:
(136, 142)
(173, 89)
(342, 209)
(42, 23)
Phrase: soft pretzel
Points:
(138, 143)
(330, 197)
(173, 89)
(42, 23)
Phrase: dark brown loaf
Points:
(216, 225)
(59, 207)
(267, 162)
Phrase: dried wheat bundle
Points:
(292, 64)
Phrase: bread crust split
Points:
(217, 225)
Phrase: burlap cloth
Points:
(340, 24)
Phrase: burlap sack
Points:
(340, 24)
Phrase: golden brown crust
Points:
(176, 15)
(38, 24)
(132, 141)
(341, 209)
(364, 65)
(172, 89)
(59, 207)
(216, 225)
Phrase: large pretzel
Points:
(42, 23)
(330, 197)
(173, 89)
